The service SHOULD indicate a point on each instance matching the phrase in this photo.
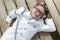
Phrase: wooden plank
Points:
(20, 3)
(0, 34)
(45, 36)
(31, 3)
(36, 37)
(3, 15)
(54, 13)
(0, 31)
(57, 3)
(10, 5)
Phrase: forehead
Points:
(33, 9)
(40, 8)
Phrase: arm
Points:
(50, 23)
(50, 27)
(10, 17)
(13, 14)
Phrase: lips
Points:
(36, 15)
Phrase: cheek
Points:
(32, 14)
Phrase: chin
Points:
(33, 17)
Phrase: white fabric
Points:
(14, 14)
(27, 27)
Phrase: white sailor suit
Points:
(26, 26)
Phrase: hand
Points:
(8, 25)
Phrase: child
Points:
(28, 23)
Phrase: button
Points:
(30, 18)
(21, 34)
(34, 26)
(28, 22)
(24, 28)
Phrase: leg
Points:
(8, 35)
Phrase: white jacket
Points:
(27, 27)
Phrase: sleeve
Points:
(14, 13)
(50, 27)
(50, 23)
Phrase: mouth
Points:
(36, 15)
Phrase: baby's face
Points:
(37, 12)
